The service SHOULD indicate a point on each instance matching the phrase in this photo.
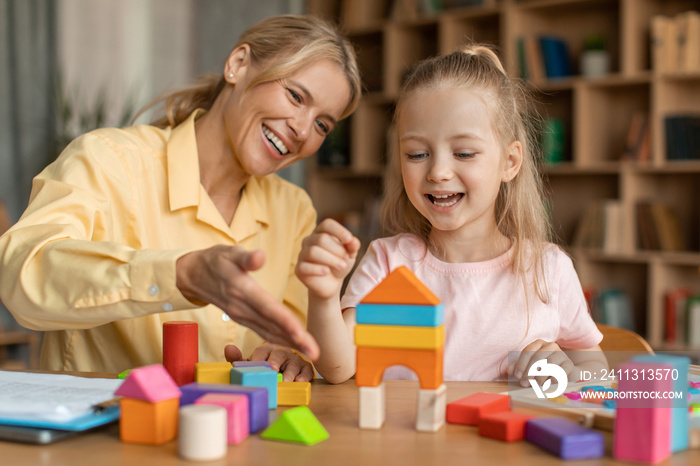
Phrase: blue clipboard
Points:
(88, 421)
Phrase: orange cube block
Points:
(469, 410)
(506, 426)
(148, 423)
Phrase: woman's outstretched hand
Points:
(219, 276)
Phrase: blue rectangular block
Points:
(400, 314)
(679, 412)
(257, 400)
(257, 377)
(564, 438)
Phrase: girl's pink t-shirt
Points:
(487, 312)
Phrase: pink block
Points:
(149, 383)
(236, 413)
(642, 424)
(573, 396)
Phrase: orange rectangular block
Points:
(148, 423)
(401, 286)
(371, 363)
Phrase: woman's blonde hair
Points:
(279, 47)
(520, 210)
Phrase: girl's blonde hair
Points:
(520, 210)
(279, 47)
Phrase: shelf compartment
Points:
(370, 58)
(457, 30)
(604, 112)
(409, 44)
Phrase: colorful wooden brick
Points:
(371, 363)
(123, 375)
(507, 426)
(396, 336)
(400, 314)
(257, 377)
(148, 423)
(430, 415)
(212, 372)
(642, 425)
(564, 438)
(679, 408)
(293, 393)
(180, 350)
(238, 425)
(149, 383)
(258, 412)
(372, 407)
(203, 432)
(252, 364)
(297, 425)
(401, 286)
(469, 410)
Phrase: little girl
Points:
(463, 199)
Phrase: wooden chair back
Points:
(619, 344)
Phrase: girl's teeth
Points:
(453, 201)
(279, 145)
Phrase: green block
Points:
(297, 425)
(124, 374)
(279, 377)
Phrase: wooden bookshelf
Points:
(596, 115)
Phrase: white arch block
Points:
(203, 432)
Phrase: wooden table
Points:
(397, 443)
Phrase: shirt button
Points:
(225, 317)
(153, 290)
(167, 307)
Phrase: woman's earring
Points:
(230, 75)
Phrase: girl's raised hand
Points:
(540, 349)
(327, 256)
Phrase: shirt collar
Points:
(185, 189)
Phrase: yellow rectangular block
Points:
(293, 393)
(398, 336)
(213, 372)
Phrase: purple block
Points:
(252, 364)
(564, 438)
(257, 400)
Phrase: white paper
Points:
(51, 397)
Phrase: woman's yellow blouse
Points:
(92, 260)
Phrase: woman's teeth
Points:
(279, 145)
(449, 199)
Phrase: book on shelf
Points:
(688, 24)
(601, 226)
(553, 141)
(535, 62)
(693, 321)
(637, 142)
(612, 306)
(675, 302)
(658, 227)
(556, 58)
(682, 136)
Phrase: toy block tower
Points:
(400, 322)
(149, 407)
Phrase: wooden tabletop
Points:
(336, 406)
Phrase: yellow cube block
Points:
(213, 372)
(399, 336)
(293, 393)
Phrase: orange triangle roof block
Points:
(401, 286)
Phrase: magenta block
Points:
(236, 412)
(642, 424)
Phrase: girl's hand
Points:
(219, 276)
(327, 256)
(293, 367)
(540, 349)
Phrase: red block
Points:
(506, 426)
(469, 410)
(180, 350)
